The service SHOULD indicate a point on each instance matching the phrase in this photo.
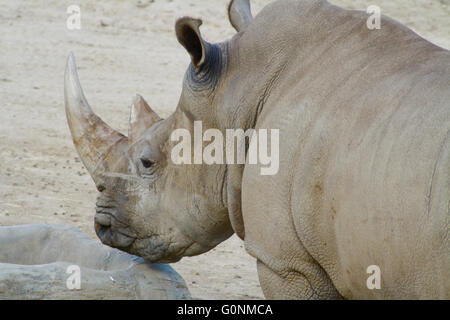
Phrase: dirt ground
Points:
(123, 48)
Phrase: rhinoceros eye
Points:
(146, 163)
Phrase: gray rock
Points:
(35, 261)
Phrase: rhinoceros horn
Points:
(92, 137)
(142, 117)
(240, 14)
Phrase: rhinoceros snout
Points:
(111, 234)
(113, 238)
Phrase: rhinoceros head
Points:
(147, 205)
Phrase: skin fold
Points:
(363, 178)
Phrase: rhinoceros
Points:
(359, 208)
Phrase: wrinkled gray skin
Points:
(364, 122)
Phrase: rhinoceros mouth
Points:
(114, 233)
(152, 247)
(110, 233)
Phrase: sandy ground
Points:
(122, 49)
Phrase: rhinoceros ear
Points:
(240, 14)
(142, 117)
(188, 33)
